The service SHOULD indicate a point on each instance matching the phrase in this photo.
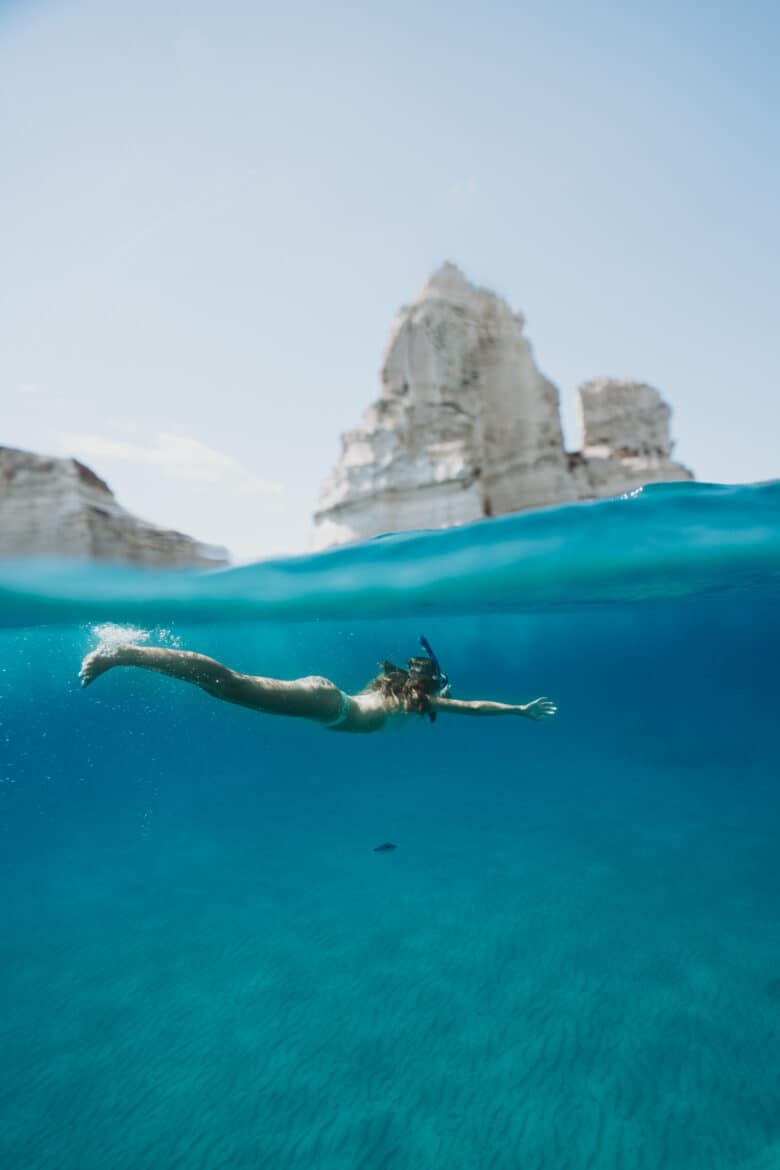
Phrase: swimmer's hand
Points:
(538, 709)
(97, 663)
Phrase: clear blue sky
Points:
(209, 215)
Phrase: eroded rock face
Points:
(465, 423)
(467, 427)
(59, 507)
(626, 440)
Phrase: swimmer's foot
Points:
(97, 663)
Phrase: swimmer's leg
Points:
(306, 698)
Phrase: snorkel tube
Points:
(442, 681)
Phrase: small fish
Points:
(385, 847)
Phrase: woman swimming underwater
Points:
(421, 689)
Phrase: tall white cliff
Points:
(466, 427)
(59, 507)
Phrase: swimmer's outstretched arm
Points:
(307, 698)
(536, 709)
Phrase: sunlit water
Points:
(570, 961)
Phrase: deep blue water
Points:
(572, 959)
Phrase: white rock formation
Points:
(58, 507)
(625, 438)
(467, 427)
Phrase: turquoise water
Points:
(570, 961)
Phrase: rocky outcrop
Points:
(468, 427)
(625, 438)
(58, 507)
